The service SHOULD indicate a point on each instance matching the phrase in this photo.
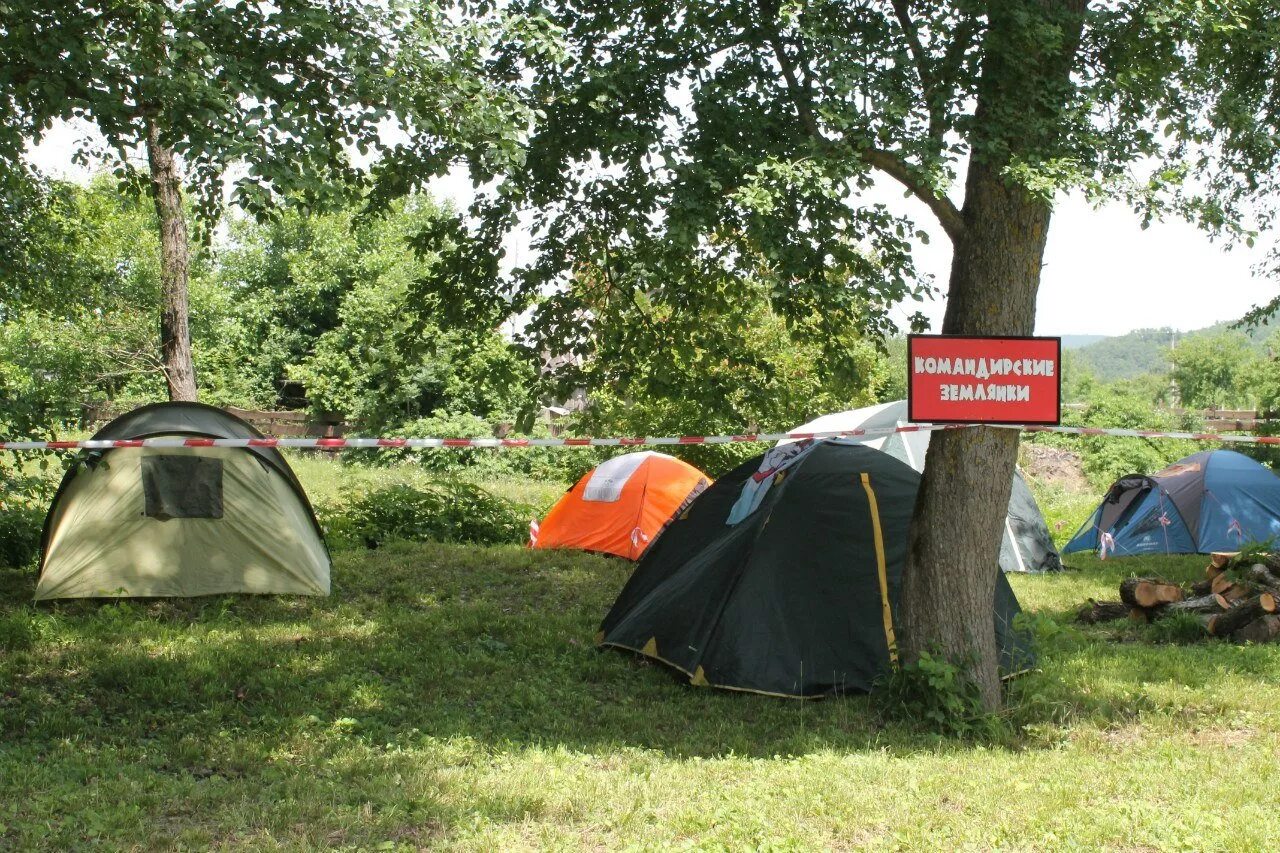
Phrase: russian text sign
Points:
(956, 379)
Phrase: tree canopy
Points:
(694, 138)
(700, 142)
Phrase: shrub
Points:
(446, 512)
(20, 526)
(936, 695)
(1107, 458)
(555, 464)
(23, 500)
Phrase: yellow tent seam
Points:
(881, 573)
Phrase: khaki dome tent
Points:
(185, 521)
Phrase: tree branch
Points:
(933, 89)
(895, 167)
(891, 164)
(902, 11)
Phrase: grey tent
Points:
(1027, 545)
(184, 521)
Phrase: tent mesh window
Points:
(182, 487)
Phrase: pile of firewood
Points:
(1239, 599)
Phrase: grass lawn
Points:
(449, 696)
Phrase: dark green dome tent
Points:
(783, 577)
(180, 521)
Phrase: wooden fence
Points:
(1217, 420)
(294, 424)
(282, 424)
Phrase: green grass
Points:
(449, 696)
(1064, 511)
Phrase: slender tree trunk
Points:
(952, 560)
(175, 332)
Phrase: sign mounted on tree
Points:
(959, 379)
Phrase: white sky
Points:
(1103, 274)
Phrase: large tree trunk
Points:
(950, 579)
(949, 582)
(175, 333)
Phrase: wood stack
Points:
(1239, 599)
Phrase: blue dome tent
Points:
(1216, 500)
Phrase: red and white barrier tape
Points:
(423, 443)
(1141, 433)
(769, 437)
(420, 443)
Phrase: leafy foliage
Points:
(77, 322)
(1215, 372)
(342, 304)
(284, 88)
(652, 370)
(21, 521)
(937, 695)
(1107, 458)
(445, 512)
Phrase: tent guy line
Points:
(642, 441)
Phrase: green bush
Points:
(544, 463)
(23, 501)
(1107, 458)
(445, 512)
(20, 526)
(935, 695)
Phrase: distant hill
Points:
(1143, 350)
(1078, 341)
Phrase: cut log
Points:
(1237, 616)
(1203, 604)
(1261, 576)
(1102, 611)
(1221, 584)
(1200, 588)
(1264, 630)
(1222, 559)
(1211, 572)
(1238, 592)
(1149, 592)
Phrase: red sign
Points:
(955, 379)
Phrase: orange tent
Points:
(621, 506)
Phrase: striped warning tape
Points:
(1141, 433)
(395, 443)
(767, 437)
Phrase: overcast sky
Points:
(1103, 274)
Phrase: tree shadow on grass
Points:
(442, 641)
(491, 645)
(355, 718)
